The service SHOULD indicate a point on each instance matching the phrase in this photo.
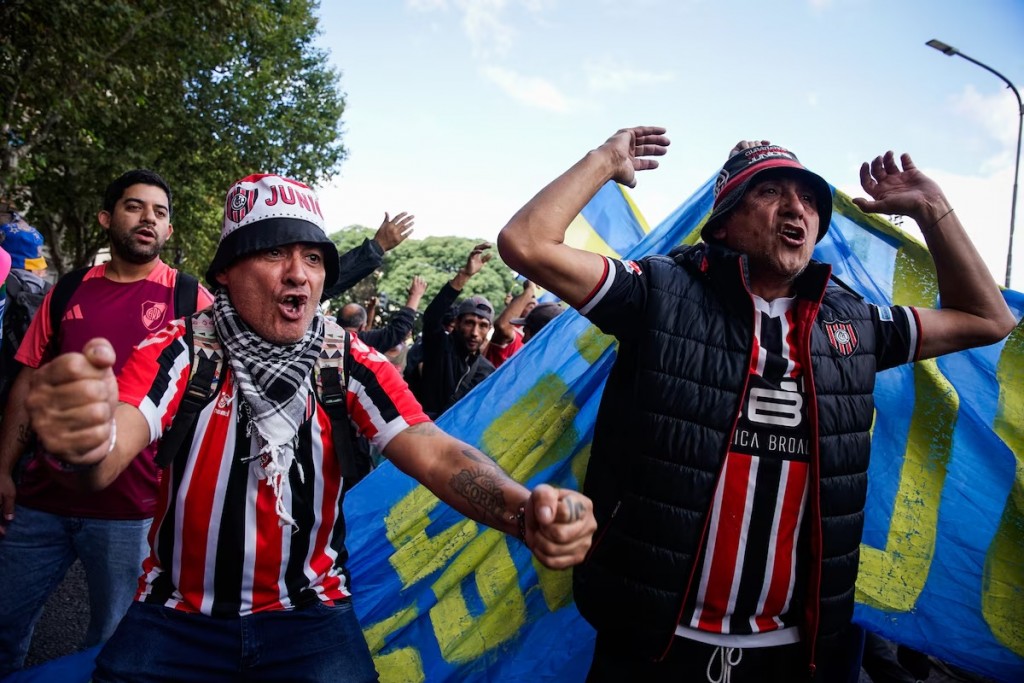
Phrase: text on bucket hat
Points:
(266, 211)
(743, 167)
(477, 305)
(24, 244)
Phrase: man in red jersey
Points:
(246, 574)
(46, 527)
(731, 507)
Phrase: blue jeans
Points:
(311, 644)
(36, 553)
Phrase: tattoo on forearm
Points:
(25, 434)
(424, 429)
(482, 490)
(576, 509)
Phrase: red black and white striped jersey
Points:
(748, 566)
(216, 545)
(752, 563)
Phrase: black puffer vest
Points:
(665, 421)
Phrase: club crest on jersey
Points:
(153, 313)
(240, 202)
(842, 335)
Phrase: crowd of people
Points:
(191, 442)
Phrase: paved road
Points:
(66, 617)
(64, 621)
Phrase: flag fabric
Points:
(610, 224)
(942, 569)
(442, 598)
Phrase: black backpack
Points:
(24, 297)
(186, 289)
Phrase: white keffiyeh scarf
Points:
(274, 382)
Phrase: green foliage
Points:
(202, 91)
(435, 259)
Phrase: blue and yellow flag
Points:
(942, 570)
(610, 224)
(442, 598)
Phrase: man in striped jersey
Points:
(729, 463)
(246, 575)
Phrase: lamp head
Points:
(947, 50)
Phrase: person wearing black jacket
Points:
(453, 363)
(728, 467)
(357, 263)
(354, 319)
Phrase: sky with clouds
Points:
(460, 110)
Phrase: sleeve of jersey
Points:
(203, 298)
(380, 404)
(155, 376)
(499, 353)
(898, 333)
(616, 303)
(32, 352)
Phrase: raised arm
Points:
(973, 312)
(533, 241)
(557, 523)
(72, 403)
(449, 292)
(401, 322)
(503, 330)
(357, 263)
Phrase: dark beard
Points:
(124, 246)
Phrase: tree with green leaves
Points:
(201, 91)
(435, 259)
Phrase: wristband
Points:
(113, 435)
(521, 522)
(937, 221)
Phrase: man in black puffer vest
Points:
(729, 463)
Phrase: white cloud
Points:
(611, 77)
(531, 91)
(491, 33)
(426, 5)
(997, 114)
(483, 23)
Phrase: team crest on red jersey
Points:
(153, 313)
(240, 202)
(842, 335)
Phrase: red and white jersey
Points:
(216, 544)
(748, 566)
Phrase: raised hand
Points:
(631, 147)
(393, 232)
(477, 258)
(560, 525)
(418, 286)
(747, 144)
(905, 191)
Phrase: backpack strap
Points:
(186, 291)
(60, 296)
(331, 375)
(203, 383)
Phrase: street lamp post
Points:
(951, 51)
